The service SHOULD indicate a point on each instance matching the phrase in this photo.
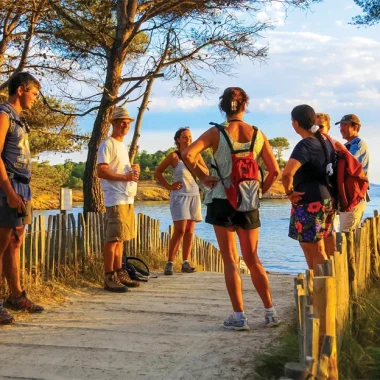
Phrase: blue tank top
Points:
(16, 152)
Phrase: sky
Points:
(315, 58)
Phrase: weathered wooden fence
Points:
(326, 301)
(50, 249)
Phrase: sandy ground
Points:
(169, 328)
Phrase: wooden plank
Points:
(59, 246)
(31, 245)
(312, 343)
(327, 368)
(361, 250)
(296, 371)
(74, 239)
(325, 310)
(64, 245)
(328, 268)
(43, 245)
(375, 262)
(99, 233)
(351, 264)
(309, 285)
(36, 250)
(82, 240)
(53, 247)
(302, 329)
(22, 255)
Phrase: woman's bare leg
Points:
(248, 244)
(188, 239)
(175, 241)
(226, 237)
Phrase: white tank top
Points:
(182, 174)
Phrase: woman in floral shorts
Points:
(306, 180)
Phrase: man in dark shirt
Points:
(349, 128)
(15, 194)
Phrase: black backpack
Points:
(137, 269)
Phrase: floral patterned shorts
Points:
(312, 222)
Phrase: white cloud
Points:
(187, 104)
(339, 23)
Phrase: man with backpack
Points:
(349, 128)
(15, 193)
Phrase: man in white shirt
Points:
(118, 179)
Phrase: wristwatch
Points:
(289, 192)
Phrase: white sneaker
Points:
(272, 320)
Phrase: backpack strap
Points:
(12, 121)
(327, 158)
(233, 151)
(178, 153)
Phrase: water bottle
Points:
(132, 186)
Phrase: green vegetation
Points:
(371, 10)
(69, 174)
(279, 144)
(270, 365)
(359, 357)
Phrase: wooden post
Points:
(351, 265)
(312, 343)
(309, 285)
(22, 254)
(31, 239)
(64, 244)
(35, 242)
(59, 258)
(325, 310)
(328, 268)
(42, 245)
(327, 368)
(296, 371)
(375, 264)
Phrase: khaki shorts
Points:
(120, 223)
(351, 220)
(9, 217)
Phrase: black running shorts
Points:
(221, 213)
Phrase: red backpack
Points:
(243, 192)
(352, 183)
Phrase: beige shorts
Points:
(351, 220)
(120, 223)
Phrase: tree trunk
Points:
(93, 195)
(136, 134)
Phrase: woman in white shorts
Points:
(185, 202)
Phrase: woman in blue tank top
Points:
(185, 202)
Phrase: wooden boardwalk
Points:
(169, 328)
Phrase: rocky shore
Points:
(48, 198)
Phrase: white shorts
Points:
(186, 207)
(351, 220)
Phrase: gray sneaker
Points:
(272, 320)
(113, 284)
(233, 323)
(168, 269)
(187, 268)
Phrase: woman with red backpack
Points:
(232, 202)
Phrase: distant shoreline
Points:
(147, 191)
